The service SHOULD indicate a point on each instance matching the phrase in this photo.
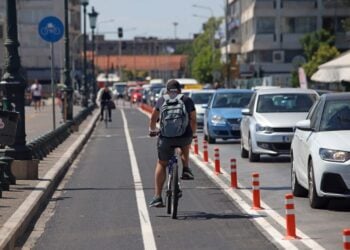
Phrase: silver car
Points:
(268, 123)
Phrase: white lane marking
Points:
(258, 218)
(266, 226)
(304, 238)
(146, 227)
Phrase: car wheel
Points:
(252, 156)
(297, 189)
(314, 199)
(244, 152)
(211, 140)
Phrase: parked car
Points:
(268, 123)
(136, 94)
(321, 151)
(223, 115)
(118, 89)
(200, 98)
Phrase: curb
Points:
(18, 223)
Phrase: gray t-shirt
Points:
(189, 105)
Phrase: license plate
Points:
(286, 138)
(235, 126)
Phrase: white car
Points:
(267, 125)
(200, 98)
(321, 151)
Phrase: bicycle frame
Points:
(173, 184)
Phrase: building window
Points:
(300, 25)
(334, 23)
(1, 31)
(265, 25)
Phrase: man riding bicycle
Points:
(104, 97)
(166, 144)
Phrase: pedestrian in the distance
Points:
(36, 90)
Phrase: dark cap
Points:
(173, 85)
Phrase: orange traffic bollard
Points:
(256, 191)
(205, 151)
(290, 218)
(234, 174)
(217, 160)
(195, 146)
(346, 238)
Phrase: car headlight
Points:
(334, 155)
(218, 120)
(260, 128)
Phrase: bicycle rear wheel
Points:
(169, 194)
(106, 115)
(175, 194)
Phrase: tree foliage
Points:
(312, 41)
(206, 56)
(324, 53)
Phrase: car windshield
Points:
(274, 103)
(120, 88)
(231, 100)
(336, 115)
(201, 98)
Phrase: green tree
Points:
(311, 42)
(324, 53)
(206, 56)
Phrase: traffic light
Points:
(120, 32)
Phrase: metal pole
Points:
(119, 59)
(67, 79)
(93, 66)
(13, 84)
(53, 87)
(227, 57)
(85, 95)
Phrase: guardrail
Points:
(44, 144)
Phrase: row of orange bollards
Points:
(289, 199)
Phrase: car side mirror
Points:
(205, 106)
(304, 125)
(246, 112)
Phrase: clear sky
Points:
(154, 17)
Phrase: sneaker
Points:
(156, 202)
(187, 174)
(110, 120)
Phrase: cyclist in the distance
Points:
(168, 140)
(104, 97)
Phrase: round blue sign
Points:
(51, 29)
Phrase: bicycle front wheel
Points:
(176, 190)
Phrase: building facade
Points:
(35, 52)
(264, 35)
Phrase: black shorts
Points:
(36, 98)
(166, 146)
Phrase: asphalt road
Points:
(98, 207)
(323, 226)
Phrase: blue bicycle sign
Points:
(51, 29)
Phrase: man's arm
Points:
(193, 121)
(153, 120)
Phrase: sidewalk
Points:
(25, 199)
(41, 122)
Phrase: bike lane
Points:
(97, 208)
(207, 219)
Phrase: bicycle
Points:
(173, 192)
(105, 114)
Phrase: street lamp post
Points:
(13, 84)
(175, 29)
(84, 3)
(67, 79)
(93, 18)
(213, 37)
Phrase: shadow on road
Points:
(196, 215)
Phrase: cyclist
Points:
(166, 145)
(104, 97)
